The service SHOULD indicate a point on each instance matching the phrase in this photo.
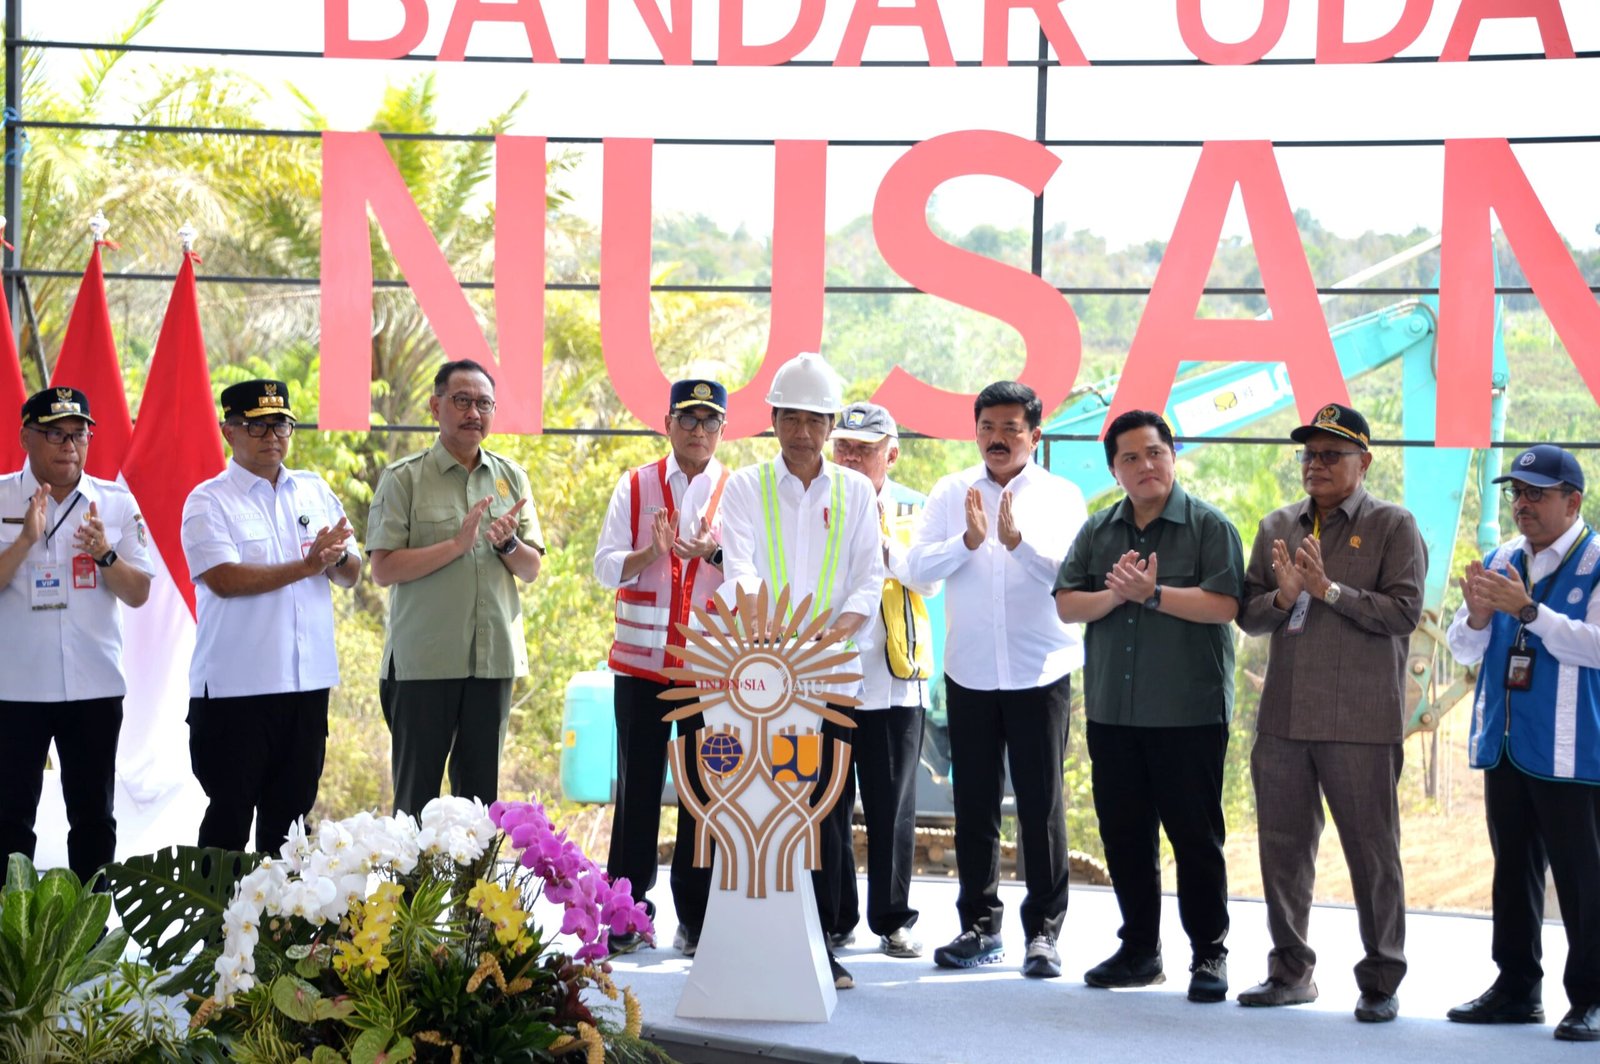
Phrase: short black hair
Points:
(441, 380)
(1136, 419)
(1010, 393)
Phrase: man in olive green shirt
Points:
(1157, 578)
(450, 532)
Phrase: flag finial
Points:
(185, 234)
(98, 226)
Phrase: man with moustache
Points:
(997, 533)
(1157, 579)
(1531, 622)
(1336, 581)
(72, 547)
(803, 522)
(659, 551)
(896, 647)
(264, 543)
(451, 533)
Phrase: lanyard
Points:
(65, 513)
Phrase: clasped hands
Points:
(1486, 591)
(1132, 578)
(1301, 571)
(978, 522)
(500, 529)
(664, 539)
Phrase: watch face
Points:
(1528, 614)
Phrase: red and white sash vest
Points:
(649, 611)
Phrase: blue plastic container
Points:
(589, 739)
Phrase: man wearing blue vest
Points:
(1532, 619)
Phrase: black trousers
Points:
(1027, 730)
(837, 834)
(885, 750)
(85, 733)
(257, 757)
(1535, 823)
(636, 816)
(1147, 779)
(463, 721)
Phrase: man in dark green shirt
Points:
(1157, 579)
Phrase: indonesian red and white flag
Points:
(13, 393)
(88, 362)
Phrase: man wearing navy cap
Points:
(1336, 581)
(72, 547)
(1531, 622)
(264, 543)
(660, 551)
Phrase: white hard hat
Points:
(806, 382)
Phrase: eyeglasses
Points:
(1513, 492)
(257, 430)
(1322, 458)
(712, 424)
(484, 404)
(56, 437)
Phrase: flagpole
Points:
(13, 257)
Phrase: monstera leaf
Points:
(171, 904)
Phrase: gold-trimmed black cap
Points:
(699, 393)
(1340, 421)
(53, 404)
(256, 399)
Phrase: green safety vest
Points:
(823, 599)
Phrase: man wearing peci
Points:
(1531, 622)
(996, 533)
(659, 551)
(72, 548)
(264, 544)
(896, 647)
(1336, 581)
(451, 533)
(1157, 578)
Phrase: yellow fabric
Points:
(908, 641)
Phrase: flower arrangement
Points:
(388, 938)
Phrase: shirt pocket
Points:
(433, 524)
(253, 536)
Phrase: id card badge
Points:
(47, 583)
(1519, 670)
(1297, 613)
(85, 573)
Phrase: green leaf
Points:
(327, 1055)
(296, 999)
(20, 874)
(370, 1045)
(179, 893)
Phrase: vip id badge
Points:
(47, 585)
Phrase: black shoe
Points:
(1378, 1008)
(1208, 980)
(841, 939)
(1042, 961)
(1580, 1024)
(842, 979)
(625, 943)
(1273, 992)
(968, 950)
(1496, 1006)
(687, 940)
(1126, 967)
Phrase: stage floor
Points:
(910, 1012)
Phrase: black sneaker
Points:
(1042, 961)
(1125, 968)
(841, 939)
(968, 950)
(842, 979)
(687, 940)
(625, 943)
(1208, 980)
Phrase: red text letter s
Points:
(798, 275)
(357, 172)
(1168, 333)
(1027, 303)
(1480, 175)
(337, 43)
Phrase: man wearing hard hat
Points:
(804, 522)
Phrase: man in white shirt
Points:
(996, 533)
(263, 543)
(1531, 620)
(803, 522)
(658, 550)
(896, 647)
(72, 547)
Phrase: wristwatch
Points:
(716, 558)
(508, 547)
(1529, 613)
(342, 559)
(1331, 595)
(106, 560)
(1154, 601)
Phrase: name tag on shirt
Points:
(1297, 613)
(48, 586)
(85, 573)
